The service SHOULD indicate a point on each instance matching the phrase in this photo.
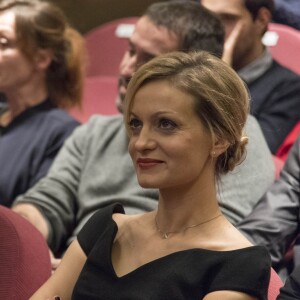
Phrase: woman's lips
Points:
(146, 163)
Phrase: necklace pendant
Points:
(165, 236)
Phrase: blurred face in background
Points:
(15, 68)
(233, 13)
(147, 41)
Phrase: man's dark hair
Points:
(253, 6)
(196, 27)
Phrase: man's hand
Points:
(34, 216)
(231, 42)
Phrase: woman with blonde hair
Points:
(184, 114)
(42, 62)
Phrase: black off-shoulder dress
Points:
(188, 274)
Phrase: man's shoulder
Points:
(276, 78)
(281, 72)
(105, 120)
(100, 132)
(102, 124)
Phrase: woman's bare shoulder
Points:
(125, 220)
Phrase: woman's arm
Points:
(62, 282)
(228, 295)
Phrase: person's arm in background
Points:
(274, 221)
(34, 216)
(51, 204)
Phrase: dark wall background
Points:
(87, 14)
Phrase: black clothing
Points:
(291, 288)
(188, 274)
(287, 12)
(274, 221)
(276, 103)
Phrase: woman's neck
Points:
(21, 99)
(179, 209)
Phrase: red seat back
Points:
(106, 46)
(289, 141)
(274, 286)
(99, 97)
(24, 257)
(284, 44)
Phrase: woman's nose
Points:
(145, 140)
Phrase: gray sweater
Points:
(94, 169)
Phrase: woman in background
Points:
(42, 64)
(184, 114)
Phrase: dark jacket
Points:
(291, 289)
(275, 103)
(274, 221)
(28, 146)
(287, 12)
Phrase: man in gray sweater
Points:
(93, 169)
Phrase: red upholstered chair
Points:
(284, 44)
(106, 45)
(24, 257)
(99, 97)
(274, 286)
(289, 141)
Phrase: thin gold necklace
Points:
(165, 235)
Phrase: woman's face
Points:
(15, 68)
(168, 143)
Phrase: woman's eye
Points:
(167, 124)
(134, 124)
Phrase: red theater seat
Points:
(284, 44)
(24, 257)
(106, 45)
(274, 286)
(99, 97)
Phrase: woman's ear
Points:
(219, 147)
(43, 58)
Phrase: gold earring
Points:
(213, 153)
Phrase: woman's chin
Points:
(147, 184)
